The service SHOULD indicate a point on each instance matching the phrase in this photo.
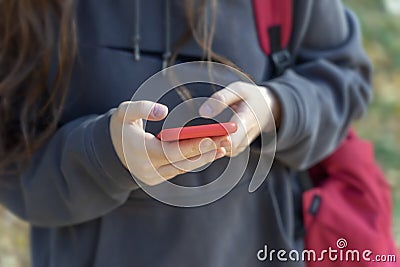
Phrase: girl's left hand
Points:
(252, 106)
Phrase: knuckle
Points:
(123, 105)
(219, 96)
(234, 85)
(139, 106)
(121, 110)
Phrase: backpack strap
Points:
(305, 183)
(274, 29)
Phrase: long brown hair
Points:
(31, 104)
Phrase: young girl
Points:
(67, 70)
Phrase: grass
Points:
(381, 125)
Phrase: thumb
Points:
(148, 110)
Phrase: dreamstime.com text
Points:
(338, 254)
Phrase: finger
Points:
(244, 143)
(238, 136)
(170, 152)
(246, 129)
(220, 100)
(122, 141)
(182, 150)
(171, 170)
(134, 110)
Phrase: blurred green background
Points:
(381, 29)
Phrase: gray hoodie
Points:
(82, 204)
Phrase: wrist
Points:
(275, 106)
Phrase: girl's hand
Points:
(150, 160)
(252, 106)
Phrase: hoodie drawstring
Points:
(136, 39)
(167, 53)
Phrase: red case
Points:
(200, 131)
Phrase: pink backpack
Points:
(348, 207)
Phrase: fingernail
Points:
(206, 110)
(159, 111)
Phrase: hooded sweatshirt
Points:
(83, 206)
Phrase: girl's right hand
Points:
(149, 159)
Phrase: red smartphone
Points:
(199, 131)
